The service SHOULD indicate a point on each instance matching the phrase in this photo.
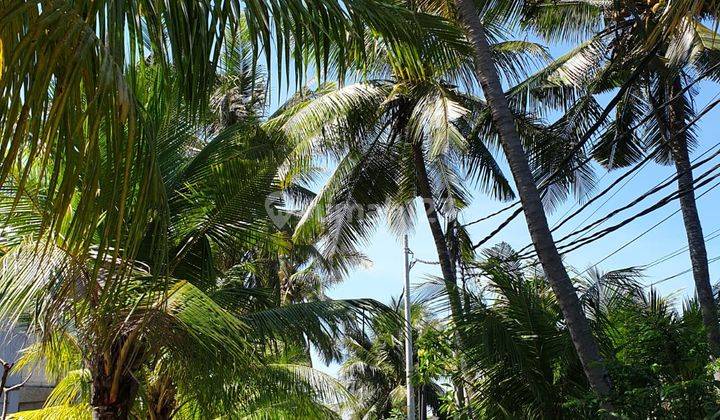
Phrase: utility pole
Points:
(408, 339)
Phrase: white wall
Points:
(36, 389)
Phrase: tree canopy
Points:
(171, 238)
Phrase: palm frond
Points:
(321, 322)
(70, 412)
(57, 356)
(72, 389)
(565, 20)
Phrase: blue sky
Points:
(384, 278)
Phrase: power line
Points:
(607, 200)
(586, 136)
(498, 229)
(708, 238)
(628, 243)
(631, 173)
(663, 280)
(611, 105)
(664, 183)
(644, 232)
(713, 235)
(570, 209)
(659, 204)
(664, 201)
(635, 170)
(426, 262)
(491, 215)
(658, 187)
(584, 241)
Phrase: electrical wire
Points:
(676, 275)
(659, 204)
(561, 220)
(644, 232)
(658, 187)
(586, 136)
(491, 215)
(667, 257)
(613, 103)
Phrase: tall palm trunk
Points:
(691, 219)
(446, 263)
(585, 345)
(422, 407)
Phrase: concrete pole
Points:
(408, 339)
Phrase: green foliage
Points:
(70, 105)
(374, 369)
(181, 320)
(434, 354)
(523, 361)
(661, 359)
(139, 178)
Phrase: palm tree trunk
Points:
(7, 367)
(103, 401)
(446, 264)
(691, 219)
(583, 340)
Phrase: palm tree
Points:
(413, 135)
(660, 90)
(374, 369)
(504, 122)
(173, 323)
(388, 167)
(387, 156)
(171, 310)
(519, 349)
(275, 382)
(294, 273)
(402, 136)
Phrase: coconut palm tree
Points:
(296, 271)
(170, 310)
(173, 324)
(660, 90)
(379, 169)
(411, 135)
(471, 17)
(276, 382)
(521, 354)
(405, 136)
